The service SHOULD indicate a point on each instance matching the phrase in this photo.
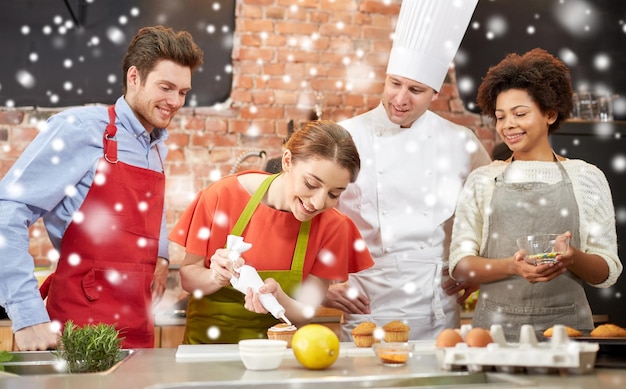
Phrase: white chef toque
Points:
(428, 35)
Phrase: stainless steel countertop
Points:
(159, 368)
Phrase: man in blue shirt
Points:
(95, 176)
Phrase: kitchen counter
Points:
(169, 327)
(466, 318)
(160, 369)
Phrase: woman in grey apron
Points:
(534, 192)
(542, 304)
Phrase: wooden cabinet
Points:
(157, 337)
(164, 337)
(329, 317)
(171, 336)
(6, 338)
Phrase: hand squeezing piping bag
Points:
(249, 278)
(237, 246)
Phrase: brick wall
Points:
(286, 54)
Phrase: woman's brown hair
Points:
(324, 139)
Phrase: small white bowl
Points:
(262, 354)
(261, 360)
(262, 345)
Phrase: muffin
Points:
(571, 332)
(396, 331)
(363, 334)
(608, 331)
(282, 331)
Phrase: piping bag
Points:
(249, 278)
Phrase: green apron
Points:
(224, 310)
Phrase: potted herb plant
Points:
(92, 348)
(5, 356)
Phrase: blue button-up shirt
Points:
(50, 180)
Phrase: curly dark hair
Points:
(544, 77)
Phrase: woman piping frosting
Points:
(300, 243)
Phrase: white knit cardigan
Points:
(591, 190)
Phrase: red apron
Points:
(109, 250)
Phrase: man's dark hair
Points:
(154, 44)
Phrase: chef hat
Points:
(428, 35)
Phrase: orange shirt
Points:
(209, 219)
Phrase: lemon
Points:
(315, 346)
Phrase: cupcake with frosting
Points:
(282, 331)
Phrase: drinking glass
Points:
(588, 106)
(605, 109)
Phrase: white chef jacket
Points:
(403, 202)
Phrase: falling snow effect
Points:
(589, 36)
(602, 144)
(42, 38)
(213, 332)
(327, 257)
(569, 29)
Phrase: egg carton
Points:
(558, 354)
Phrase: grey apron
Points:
(520, 209)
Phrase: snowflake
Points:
(327, 257)
(213, 332)
(359, 245)
(204, 233)
(74, 259)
